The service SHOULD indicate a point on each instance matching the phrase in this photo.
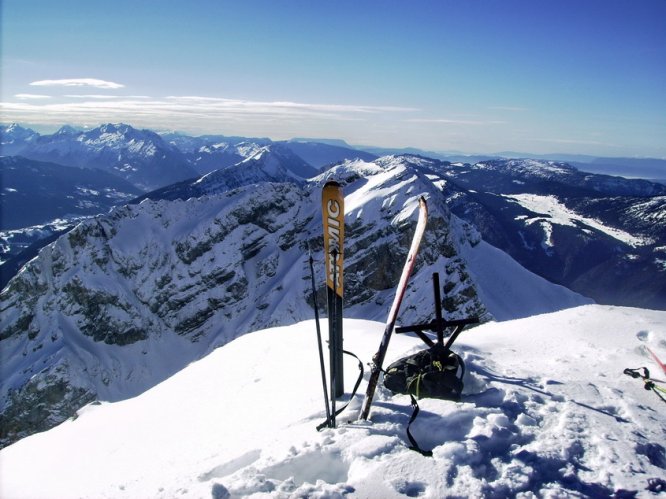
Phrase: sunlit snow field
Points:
(546, 411)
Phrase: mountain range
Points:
(112, 158)
(98, 314)
(567, 249)
(141, 157)
(124, 299)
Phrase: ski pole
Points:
(319, 344)
(332, 337)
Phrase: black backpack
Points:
(433, 373)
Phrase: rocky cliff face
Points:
(129, 298)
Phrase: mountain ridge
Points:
(139, 156)
(192, 273)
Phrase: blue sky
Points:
(477, 76)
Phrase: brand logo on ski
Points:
(334, 232)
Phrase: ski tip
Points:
(332, 183)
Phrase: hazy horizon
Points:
(475, 77)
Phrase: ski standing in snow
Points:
(333, 211)
(378, 358)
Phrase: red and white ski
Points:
(378, 358)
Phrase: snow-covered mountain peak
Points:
(116, 128)
(388, 181)
(247, 149)
(116, 134)
(408, 159)
(67, 130)
(13, 128)
(140, 156)
(218, 146)
(272, 163)
(276, 160)
(392, 166)
(257, 155)
(348, 171)
(14, 138)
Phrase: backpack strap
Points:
(412, 440)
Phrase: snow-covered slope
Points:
(211, 157)
(127, 299)
(503, 175)
(504, 285)
(601, 236)
(546, 412)
(208, 153)
(271, 163)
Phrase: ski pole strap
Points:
(635, 373)
(412, 440)
(329, 420)
(649, 385)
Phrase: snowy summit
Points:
(546, 412)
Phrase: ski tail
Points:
(656, 359)
(378, 358)
(333, 212)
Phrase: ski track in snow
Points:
(546, 412)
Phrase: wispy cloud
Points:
(285, 105)
(32, 96)
(198, 106)
(105, 97)
(448, 121)
(197, 111)
(78, 82)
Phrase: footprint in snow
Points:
(410, 489)
(232, 466)
(643, 335)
